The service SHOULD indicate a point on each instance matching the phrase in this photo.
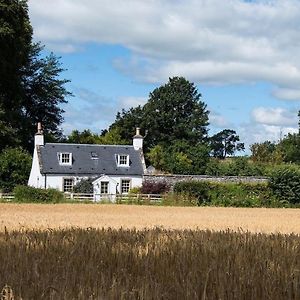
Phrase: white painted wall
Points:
(36, 179)
(114, 185)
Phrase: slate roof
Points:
(82, 162)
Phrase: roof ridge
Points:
(103, 145)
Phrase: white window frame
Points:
(72, 186)
(120, 161)
(121, 186)
(62, 157)
(106, 185)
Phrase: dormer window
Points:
(94, 155)
(123, 160)
(65, 158)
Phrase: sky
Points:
(243, 57)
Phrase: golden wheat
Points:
(43, 216)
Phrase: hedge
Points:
(31, 194)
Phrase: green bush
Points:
(15, 164)
(240, 194)
(194, 189)
(84, 186)
(31, 194)
(285, 184)
(223, 194)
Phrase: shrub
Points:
(135, 190)
(194, 189)
(153, 187)
(285, 184)
(15, 164)
(84, 186)
(240, 194)
(31, 194)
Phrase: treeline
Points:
(174, 121)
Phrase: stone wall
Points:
(172, 179)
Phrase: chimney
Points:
(39, 136)
(138, 140)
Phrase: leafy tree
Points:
(15, 44)
(174, 112)
(111, 137)
(263, 152)
(84, 186)
(224, 143)
(84, 137)
(299, 121)
(30, 86)
(43, 93)
(175, 122)
(290, 147)
(180, 158)
(15, 165)
(156, 157)
(127, 121)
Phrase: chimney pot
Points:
(138, 131)
(39, 128)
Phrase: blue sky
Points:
(242, 55)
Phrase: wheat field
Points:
(45, 216)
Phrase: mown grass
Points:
(149, 264)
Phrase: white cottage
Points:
(115, 168)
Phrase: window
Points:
(65, 158)
(125, 186)
(68, 184)
(94, 155)
(104, 187)
(123, 160)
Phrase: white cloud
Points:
(251, 133)
(214, 42)
(274, 116)
(287, 94)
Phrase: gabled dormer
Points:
(65, 158)
(122, 160)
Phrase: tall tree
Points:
(224, 143)
(290, 147)
(175, 112)
(15, 43)
(299, 122)
(126, 122)
(42, 95)
(31, 89)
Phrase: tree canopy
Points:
(31, 89)
(175, 112)
(224, 143)
(174, 121)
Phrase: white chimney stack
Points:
(138, 140)
(39, 136)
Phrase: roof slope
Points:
(82, 162)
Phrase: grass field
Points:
(44, 216)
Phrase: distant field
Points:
(43, 216)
